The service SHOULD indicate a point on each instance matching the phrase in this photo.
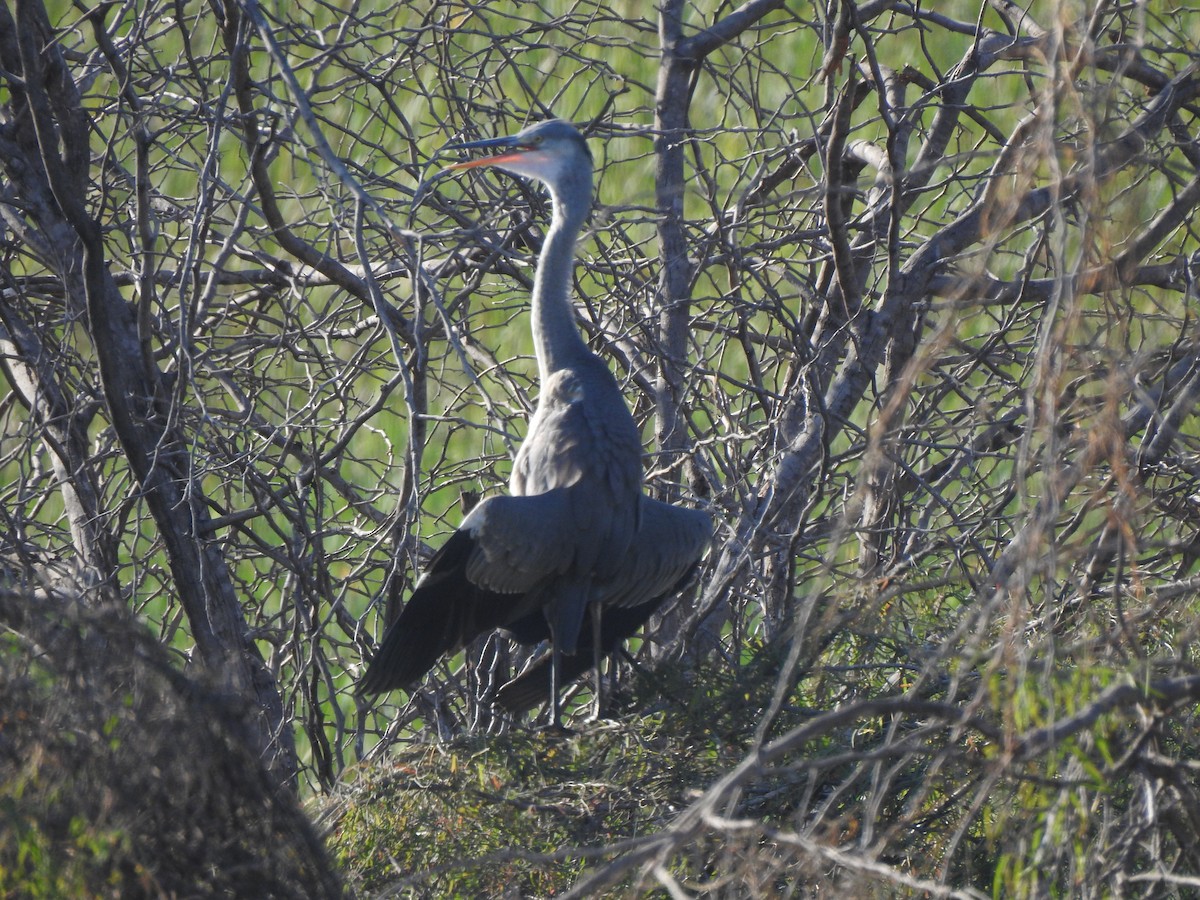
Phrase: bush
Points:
(120, 777)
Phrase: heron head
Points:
(552, 152)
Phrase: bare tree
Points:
(903, 296)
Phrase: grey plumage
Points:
(576, 536)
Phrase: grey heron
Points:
(576, 536)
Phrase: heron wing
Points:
(444, 612)
(668, 544)
(478, 581)
(519, 542)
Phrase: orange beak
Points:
(488, 160)
(514, 152)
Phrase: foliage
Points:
(541, 813)
(523, 816)
(121, 778)
(903, 295)
(493, 818)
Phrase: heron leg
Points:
(597, 658)
(555, 680)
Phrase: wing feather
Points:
(480, 580)
(669, 542)
(519, 542)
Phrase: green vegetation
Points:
(122, 778)
(485, 815)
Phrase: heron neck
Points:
(556, 338)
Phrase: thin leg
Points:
(597, 658)
(555, 680)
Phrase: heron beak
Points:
(515, 152)
(488, 160)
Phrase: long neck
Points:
(556, 340)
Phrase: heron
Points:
(575, 536)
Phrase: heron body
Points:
(663, 562)
(576, 536)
